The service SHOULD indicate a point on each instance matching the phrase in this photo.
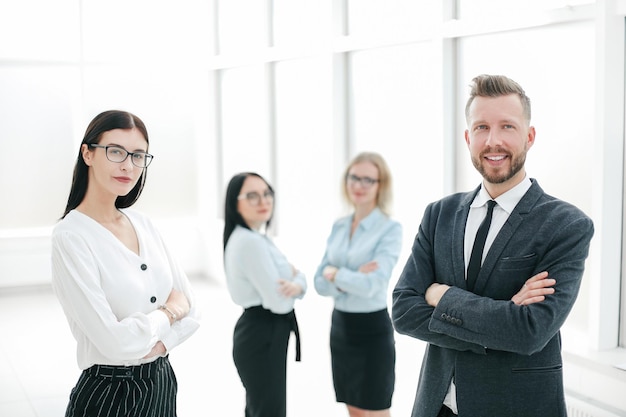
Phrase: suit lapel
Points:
(516, 218)
(458, 239)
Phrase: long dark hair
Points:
(105, 121)
(232, 217)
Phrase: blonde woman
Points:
(361, 252)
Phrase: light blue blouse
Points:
(253, 266)
(377, 238)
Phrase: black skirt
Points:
(363, 359)
(260, 344)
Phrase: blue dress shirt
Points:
(253, 266)
(377, 238)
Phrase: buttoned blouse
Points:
(253, 266)
(111, 295)
(377, 238)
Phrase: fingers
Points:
(370, 266)
(329, 272)
(157, 350)
(288, 288)
(531, 300)
(539, 284)
(539, 280)
(434, 293)
(535, 289)
(283, 287)
(540, 276)
(541, 292)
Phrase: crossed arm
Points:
(178, 304)
(534, 290)
(429, 307)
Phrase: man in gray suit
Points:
(494, 347)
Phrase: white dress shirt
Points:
(501, 212)
(111, 295)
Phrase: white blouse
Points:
(111, 295)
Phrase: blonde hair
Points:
(384, 197)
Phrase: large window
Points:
(397, 111)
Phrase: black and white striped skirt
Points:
(147, 390)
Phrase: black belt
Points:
(296, 331)
(126, 373)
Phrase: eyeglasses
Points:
(366, 182)
(254, 198)
(118, 154)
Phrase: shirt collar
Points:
(371, 218)
(506, 201)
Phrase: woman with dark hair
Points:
(265, 284)
(361, 252)
(127, 301)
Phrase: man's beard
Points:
(517, 163)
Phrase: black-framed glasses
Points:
(366, 182)
(254, 198)
(118, 154)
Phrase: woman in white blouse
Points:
(265, 284)
(127, 301)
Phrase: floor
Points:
(38, 367)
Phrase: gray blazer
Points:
(505, 359)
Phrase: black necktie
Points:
(479, 244)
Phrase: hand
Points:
(178, 303)
(329, 273)
(366, 268)
(157, 350)
(288, 288)
(534, 290)
(435, 292)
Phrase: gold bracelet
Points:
(171, 313)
